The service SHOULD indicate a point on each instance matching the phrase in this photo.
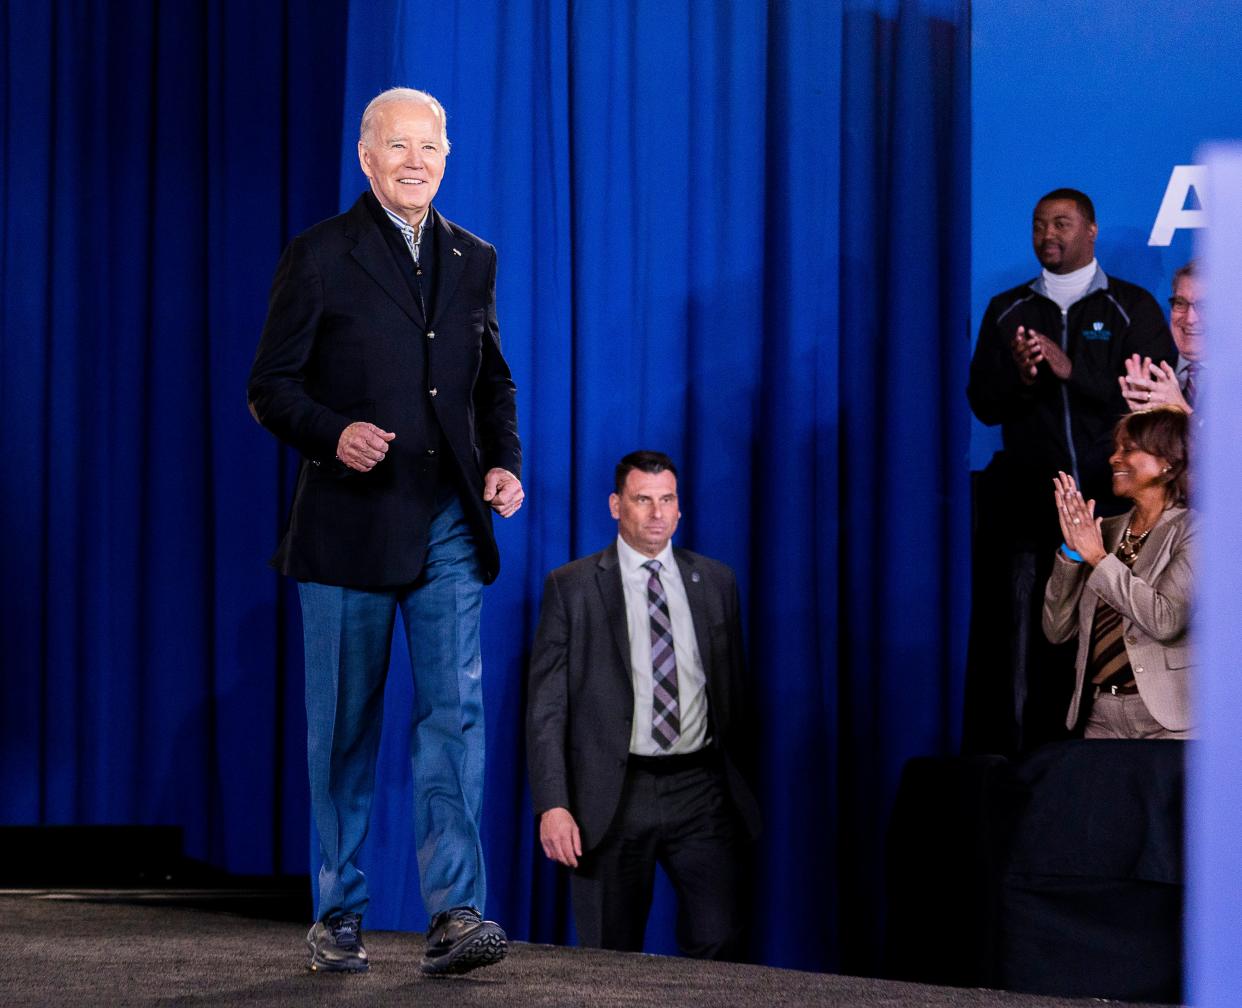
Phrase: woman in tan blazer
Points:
(1123, 585)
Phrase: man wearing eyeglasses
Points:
(1146, 384)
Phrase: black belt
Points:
(675, 763)
(1116, 690)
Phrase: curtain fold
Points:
(904, 347)
(156, 160)
(734, 232)
(738, 233)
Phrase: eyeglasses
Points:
(1179, 305)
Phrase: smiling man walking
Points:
(380, 364)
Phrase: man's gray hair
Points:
(400, 94)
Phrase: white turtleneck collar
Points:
(1066, 288)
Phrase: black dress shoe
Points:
(459, 940)
(336, 945)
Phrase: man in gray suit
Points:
(634, 739)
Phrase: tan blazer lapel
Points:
(1154, 555)
(1112, 531)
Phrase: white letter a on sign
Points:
(1173, 215)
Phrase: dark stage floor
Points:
(123, 947)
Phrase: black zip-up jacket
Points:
(1064, 425)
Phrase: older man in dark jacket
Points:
(380, 363)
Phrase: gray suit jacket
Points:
(580, 698)
(1154, 599)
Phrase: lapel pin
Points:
(455, 252)
(696, 577)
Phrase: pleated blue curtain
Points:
(736, 232)
(903, 353)
(156, 159)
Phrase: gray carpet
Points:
(129, 949)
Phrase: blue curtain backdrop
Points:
(157, 157)
(737, 232)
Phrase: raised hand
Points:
(1146, 384)
(1079, 525)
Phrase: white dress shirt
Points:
(691, 679)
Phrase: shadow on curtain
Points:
(735, 232)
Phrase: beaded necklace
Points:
(1129, 546)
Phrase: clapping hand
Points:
(1146, 384)
(1079, 525)
(1031, 348)
(1026, 354)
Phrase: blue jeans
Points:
(348, 636)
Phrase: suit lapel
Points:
(1154, 554)
(373, 255)
(608, 578)
(451, 257)
(700, 596)
(1111, 534)
(697, 598)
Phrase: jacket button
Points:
(431, 335)
(431, 451)
(1138, 668)
(1131, 639)
(433, 392)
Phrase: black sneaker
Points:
(336, 945)
(459, 940)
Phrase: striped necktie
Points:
(1190, 378)
(665, 716)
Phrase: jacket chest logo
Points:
(1097, 332)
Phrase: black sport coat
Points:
(346, 340)
(1055, 425)
(580, 700)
